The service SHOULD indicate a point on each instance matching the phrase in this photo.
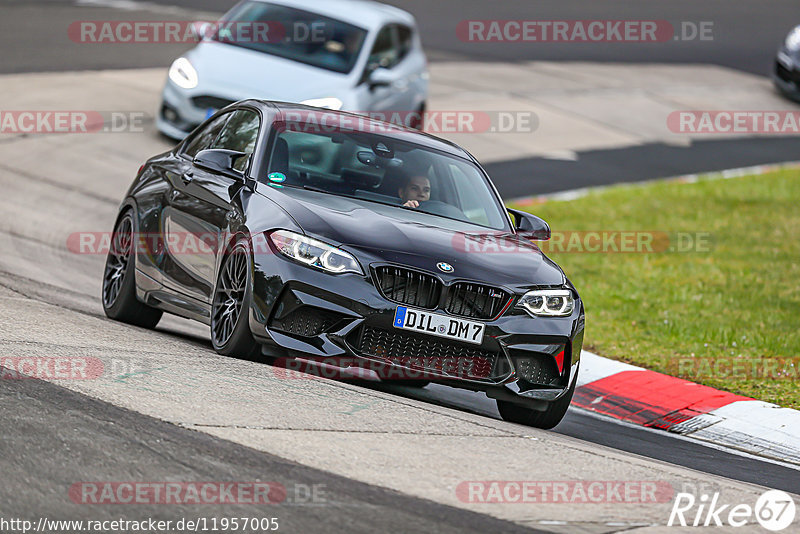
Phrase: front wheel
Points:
(230, 328)
(119, 280)
(516, 413)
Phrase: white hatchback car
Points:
(353, 55)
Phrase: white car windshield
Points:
(294, 34)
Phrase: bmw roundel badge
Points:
(445, 267)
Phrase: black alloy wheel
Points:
(230, 329)
(119, 280)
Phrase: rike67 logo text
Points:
(774, 510)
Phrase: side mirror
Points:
(532, 226)
(220, 161)
(203, 30)
(380, 77)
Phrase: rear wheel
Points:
(119, 280)
(230, 328)
(516, 413)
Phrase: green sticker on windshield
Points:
(277, 177)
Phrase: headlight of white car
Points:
(330, 102)
(183, 74)
(793, 39)
(548, 302)
(314, 253)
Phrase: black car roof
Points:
(365, 124)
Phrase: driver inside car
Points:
(414, 189)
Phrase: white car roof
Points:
(363, 13)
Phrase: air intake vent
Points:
(442, 357)
(475, 300)
(306, 321)
(409, 287)
(536, 368)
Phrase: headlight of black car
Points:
(314, 253)
(548, 302)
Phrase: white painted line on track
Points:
(594, 367)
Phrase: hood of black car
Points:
(377, 233)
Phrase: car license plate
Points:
(434, 324)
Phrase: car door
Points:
(410, 67)
(386, 54)
(201, 213)
(178, 173)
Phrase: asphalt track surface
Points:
(60, 436)
(746, 32)
(629, 438)
(60, 430)
(519, 178)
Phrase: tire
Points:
(230, 306)
(516, 413)
(119, 279)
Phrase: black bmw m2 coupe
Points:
(301, 233)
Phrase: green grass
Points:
(728, 317)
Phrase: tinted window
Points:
(405, 41)
(296, 35)
(206, 136)
(240, 134)
(384, 52)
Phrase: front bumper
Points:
(182, 110)
(786, 75)
(345, 321)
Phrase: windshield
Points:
(297, 35)
(382, 170)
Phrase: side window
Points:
(207, 136)
(384, 52)
(240, 134)
(405, 40)
(297, 153)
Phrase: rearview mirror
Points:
(530, 225)
(221, 161)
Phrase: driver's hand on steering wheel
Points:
(415, 190)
